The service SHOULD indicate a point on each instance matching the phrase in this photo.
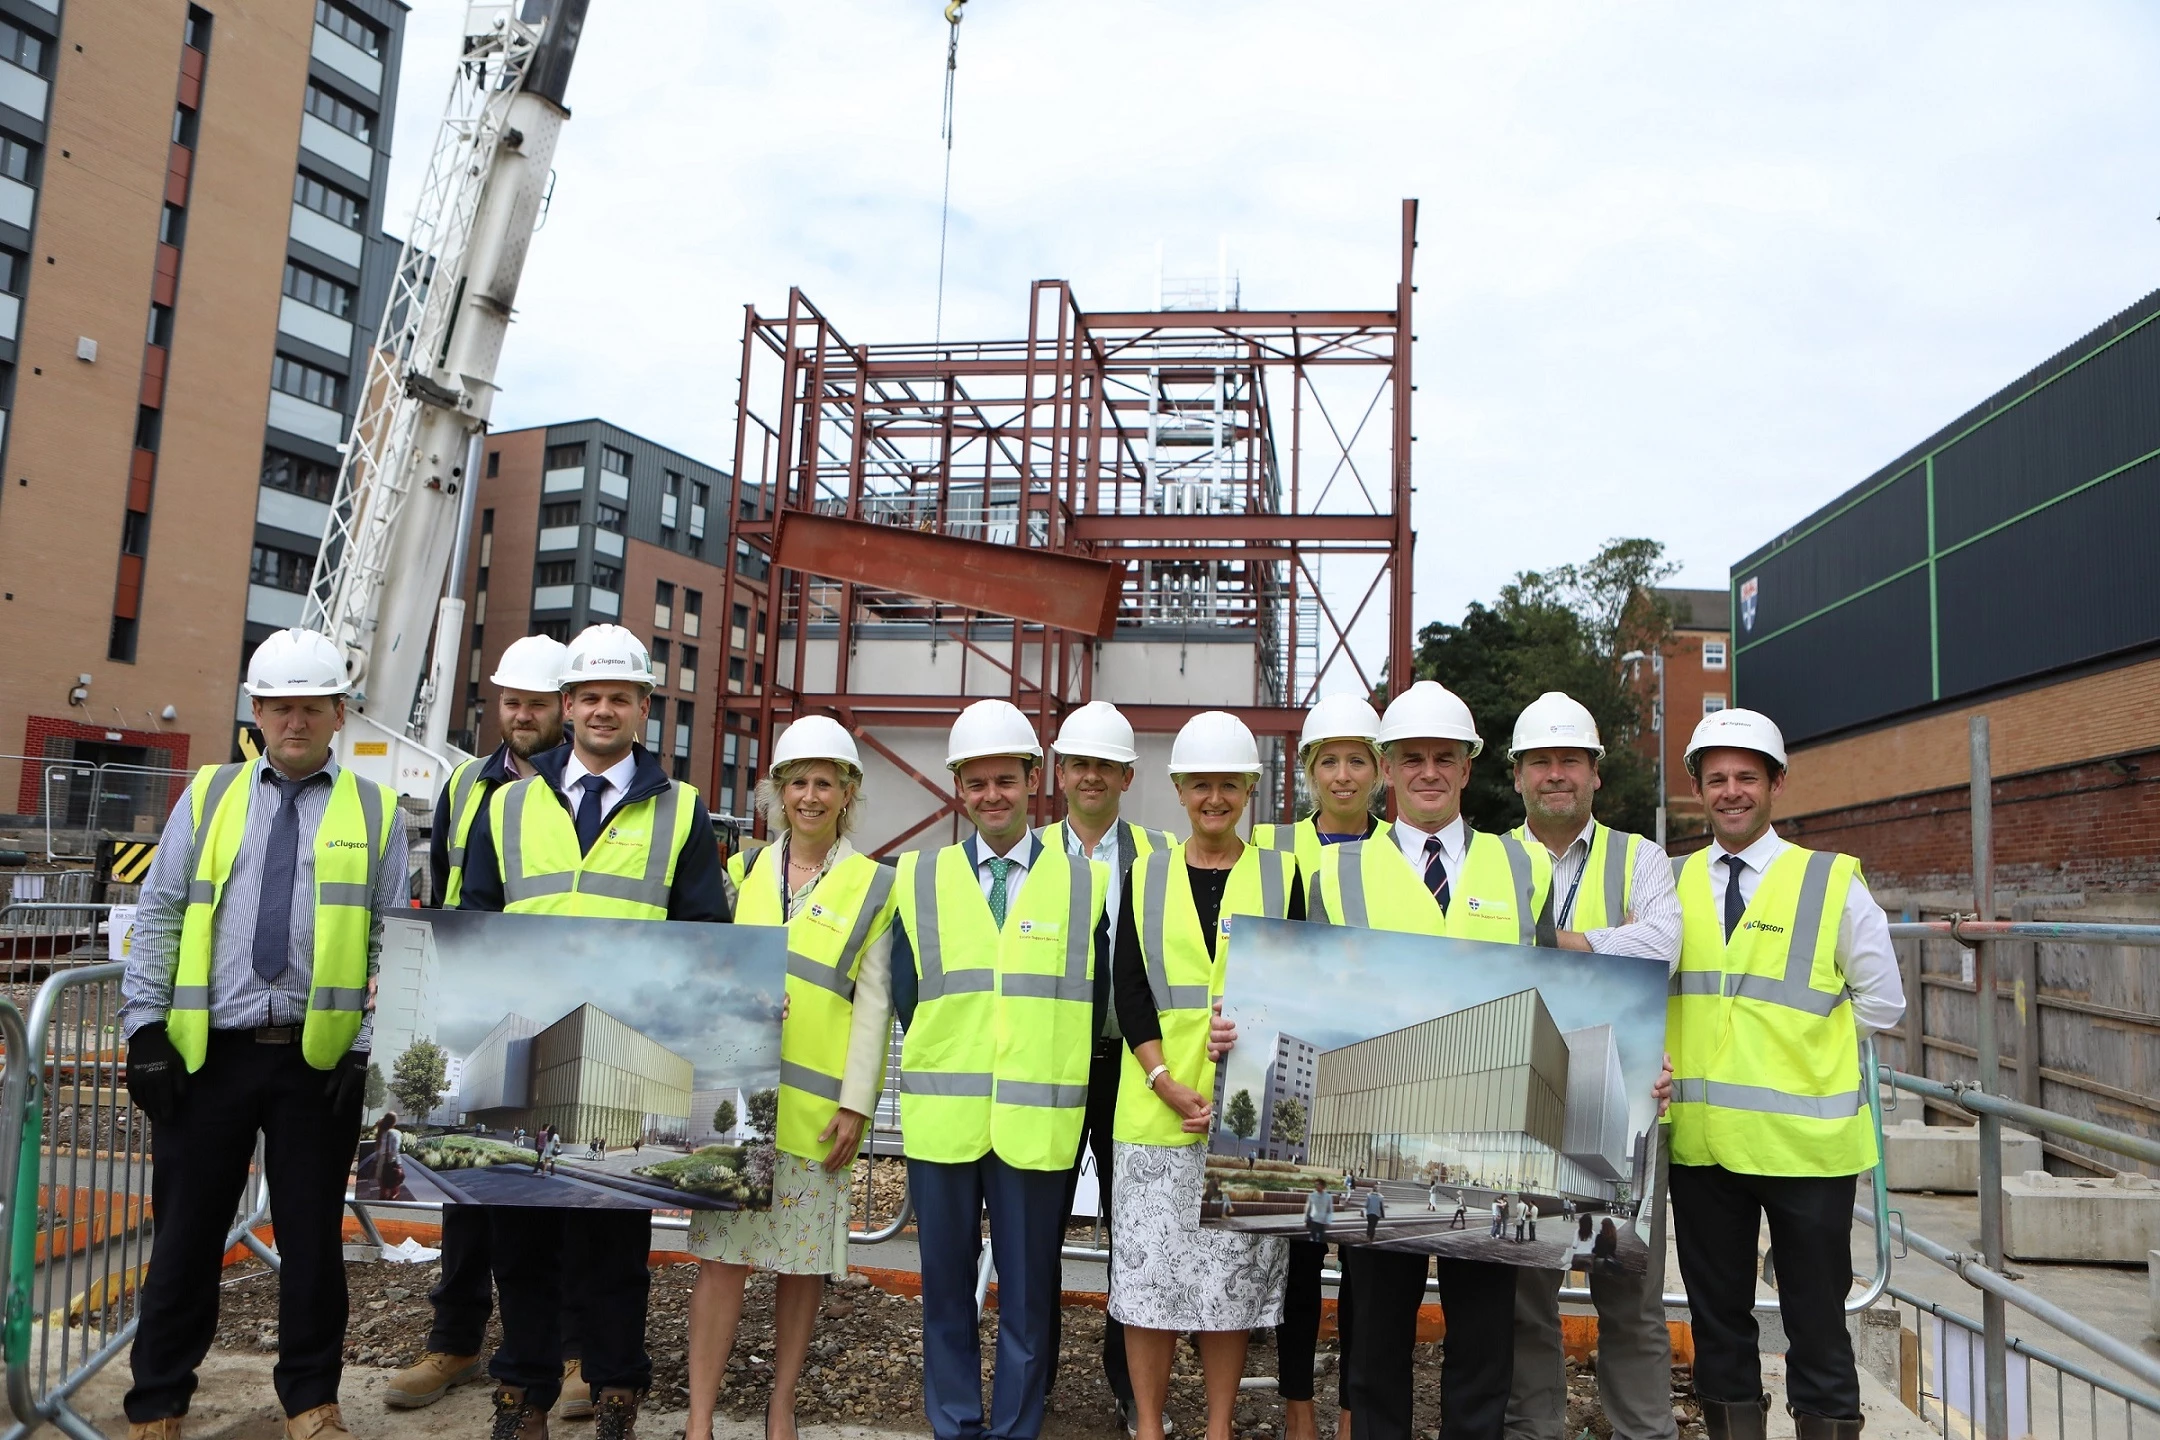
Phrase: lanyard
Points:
(1567, 907)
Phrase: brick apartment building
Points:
(1698, 680)
(191, 260)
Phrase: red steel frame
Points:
(1051, 435)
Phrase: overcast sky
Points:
(1687, 271)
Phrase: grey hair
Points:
(771, 784)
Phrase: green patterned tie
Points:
(998, 870)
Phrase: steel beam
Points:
(926, 711)
(1229, 529)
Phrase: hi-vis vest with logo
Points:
(463, 808)
(351, 844)
(1609, 871)
(851, 906)
(1501, 887)
(1145, 841)
(1302, 839)
(1185, 980)
(1766, 1057)
(626, 875)
(997, 1055)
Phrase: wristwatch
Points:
(1156, 1074)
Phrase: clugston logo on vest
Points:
(1747, 603)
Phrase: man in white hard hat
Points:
(1784, 960)
(246, 1006)
(587, 823)
(1095, 755)
(1612, 893)
(995, 961)
(528, 711)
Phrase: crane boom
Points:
(396, 515)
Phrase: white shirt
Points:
(1454, 844)
(1106, 850)
(1019, 856)
(617, 776)
(1653, 901)
(1864, 955)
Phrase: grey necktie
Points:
(273, 912)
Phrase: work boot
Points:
(166, 1428)
(1736, 1419)
(324, 1422)
(576, 1394)
(615, 1413)
(515, 1418)
(430, 1378)
(1822, 1427)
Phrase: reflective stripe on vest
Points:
(1371, 884)
(351, 842)
(543, 872)
(463, 808)
(1609, 869)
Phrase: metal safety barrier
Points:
(52, 935)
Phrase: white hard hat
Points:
(606, 652)
(296, 662)
(817, 737)
(1096, 729)
(1429, 710)
(1214, 743)
(1737, 730)
(535, 663)
(1555, 721)
(1339, 717)
(990, 727)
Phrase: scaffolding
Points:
(1112, 474)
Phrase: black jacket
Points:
(494, 771)
(697, 893)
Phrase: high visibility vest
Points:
(625, 876)
(1145, 841)
(997, 1055)
(1501, 886)
(464, 801)
(851, 906)
(1609, 871)
(1766, 1057)
(351, 844)
(1303, 840)
(1185, 980)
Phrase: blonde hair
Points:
(770, 785)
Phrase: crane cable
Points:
(952, 71)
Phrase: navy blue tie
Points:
(588, 812)
(273, 912)
(1436, 871)
(1734, 905)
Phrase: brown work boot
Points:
(615, 1413)
(430, 1378)
(515, 1418)
(324, 1422)
(576, 1394)
(1736, 1420)
(167, 1428)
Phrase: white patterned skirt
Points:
(1166, 1273)
(804, 1233)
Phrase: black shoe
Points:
(1821, 1427)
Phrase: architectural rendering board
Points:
(492, 1028)
(1450, 1075)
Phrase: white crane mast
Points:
(400, 506)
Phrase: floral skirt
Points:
(1166, 1273)
(804, 1233)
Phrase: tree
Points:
(418, 1077)
(1288, 1127)
(374, 1090)
(723, 1119)
(764, 1106)
(1240, 1115)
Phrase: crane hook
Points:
(952, 11)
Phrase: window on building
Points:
(312, 287)
(683, 722)
(735, 673)
(149, 423)
(494, 467)
(663, 604)
(159, 330)
(309, 479)
(172, 226)
(22, 47)
(566, 457)
(562, 512)
(670, 497)
(1713, 654)
(615, 460)
(197, 34)
(17, 159)
(281, 569)
(655, 725)
(606, 577)
(660, 661)
(555, 572)
(1711, 704)
(693, 606)
(682, 767)
(700, 492)
(13, 270)
(332, 108)
(135, 533)
(185, 123)
(349, 27)
(610, 517)
(686, 677)
(326, 199)
(308, 382)
(553, 629)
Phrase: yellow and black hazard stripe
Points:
(127, 861)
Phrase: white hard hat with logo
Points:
(990, 727)
(534, 664)
(1555, 721)
(296, 662)
(1339, 717)
(1214, 743)
(1429, 710)
(1737, 730)
(1097, 730)
(606, 652)
(817, 737)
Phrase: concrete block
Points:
(2059, 1217)
(2152, 1291)
(1946, 1158)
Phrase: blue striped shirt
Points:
(239, 998)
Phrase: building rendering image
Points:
(588, 1075)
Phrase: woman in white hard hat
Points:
(1169, 1276)
(837, 905)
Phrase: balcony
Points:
(318, 327)
(326, 141)
(10, 316)
(554, 597)
(607, 542)
(17, 200)
(279, 609)
(558, 537)
(603, 602)
(283, 510)
(306, 419)
(318, 232)
(564, 482)
(614, 486)
(20, 90)
(348, 60)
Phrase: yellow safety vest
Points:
(1187, 981)
(1497, 896)
(351, 845)
(1766, 1057)
(997, 1055)
(1609, 870)
(851, 906)
(624, 877)
(1302, 839)
(1145, 841)
(463, 798)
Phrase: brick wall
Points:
(43, 728)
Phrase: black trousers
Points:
(1717, 1215)
(600, 1256)
(1095, 1138)
(465, 1295)
(1298, 1336)
(201, 1166)
(1477, 1366)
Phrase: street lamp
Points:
(1657, 727)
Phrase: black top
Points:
(1128, 981)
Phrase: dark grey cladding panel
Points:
(1863, 661)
